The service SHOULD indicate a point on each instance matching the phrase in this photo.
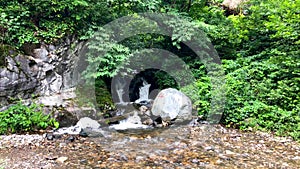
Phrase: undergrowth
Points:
(22, 118)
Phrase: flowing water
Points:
(133, 121)
(144, 91)
(120, 90)
(142, 142)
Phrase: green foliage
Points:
(271, 24)
(264, 83)
(103, 97)
(200, 94)
(259, 51)
(165, 81)
(261, 61)
(104, 56)
(95, 95)
(35, 21)
(272, 118)
(217, 26)
(22, 118)
(257, 92)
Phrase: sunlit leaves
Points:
(23, 118)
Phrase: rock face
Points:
(171, 104)
(48, 74)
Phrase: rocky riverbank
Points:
(203, 146)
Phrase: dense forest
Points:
(256, 40)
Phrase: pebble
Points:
(15, 140)
(228, 152)
(195, 160)
(139, 158)
(209, 148)
(61, 159)
(62, 144)
(83, 161)
(71, 138)
(49, 136)
(222, 156)
(219, 162)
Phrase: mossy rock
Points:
(6, 50)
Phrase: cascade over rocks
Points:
(169, 107)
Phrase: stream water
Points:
(142, 142)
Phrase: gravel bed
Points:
(185, 147)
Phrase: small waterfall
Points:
(133, 121)
(120, 93)
(144, 91)
(120, 90)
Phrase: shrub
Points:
(259, 97)
(22, 118)
(200, 94)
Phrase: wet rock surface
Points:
(172, 104)
(202, 146)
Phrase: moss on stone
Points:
(6, 50)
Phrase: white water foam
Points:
(124, 125)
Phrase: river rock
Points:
(233, 4)
(85, 125)
(65, 118)
(87, 122)
(171, 104)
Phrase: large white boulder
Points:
(171, 104)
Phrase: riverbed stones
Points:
(172, 105)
